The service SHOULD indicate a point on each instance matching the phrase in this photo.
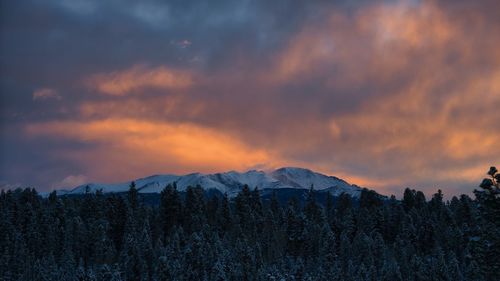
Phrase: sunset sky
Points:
(384, 94)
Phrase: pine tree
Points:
(311, 208)
(133, 196)
(488, 243)
(133, 264)
(409, 199)
(329, 209)
(117, 217)
(225, 218)
(170, 208)
(212, 210)
(195, 210)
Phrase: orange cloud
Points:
(140, 77)
(391, 94)
(428, 92)
(129, 147)
(375, 44)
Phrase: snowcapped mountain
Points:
(231, 182)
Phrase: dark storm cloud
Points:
(386, 93)
(55, 42)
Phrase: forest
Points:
(192, 236)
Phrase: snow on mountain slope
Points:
(231, 182)
(304, 178)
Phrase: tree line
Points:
(194, 237)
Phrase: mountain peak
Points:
(232, 182)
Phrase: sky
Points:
(384, 94)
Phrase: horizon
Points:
(193, 173)
(382, 94)
(268, 171)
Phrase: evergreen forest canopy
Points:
(195, 237)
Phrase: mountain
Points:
(287, 178)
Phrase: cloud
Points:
(385, 94)
(183, 44)
(138, 147)
(80, 7)
(422, 94)
(46, 94)
(155, 15)
(138, 78)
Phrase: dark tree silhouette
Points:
(191, 235)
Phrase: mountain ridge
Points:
(230, 182)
